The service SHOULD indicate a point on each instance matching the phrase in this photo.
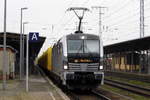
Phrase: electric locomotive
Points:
(76, 59)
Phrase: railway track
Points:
(92, 95)
(103, 97)
(76, 95)
(97, 94)
(112, 95)
(128, 87)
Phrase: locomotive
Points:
(75, 61)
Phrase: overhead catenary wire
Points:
(85, 2)
(133, 33)
(122, 22)
(64, 24)
(62, 18)
(123, 16)
(133, 21)
(60, 22)
(118, 10)
(124, 32)
(116, 23)
(120, 16)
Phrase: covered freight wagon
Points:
(45, 61)
(10, 62)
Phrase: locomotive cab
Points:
(83, 67)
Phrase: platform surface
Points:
(39, 89)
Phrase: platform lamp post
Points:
(27, 58)
(23, 52)
(4, 47)
(27, 63)
(21, 49)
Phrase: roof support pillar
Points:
(148, 61)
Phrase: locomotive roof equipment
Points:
(79, 16)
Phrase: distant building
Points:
(10, 62)
(128, 56)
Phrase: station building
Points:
(129, 56)
(13, 53)
(11, 60)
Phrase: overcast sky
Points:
(120, 21)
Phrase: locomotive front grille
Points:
(75, 67)
(93, 66)
(83, 66)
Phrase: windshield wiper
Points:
(79, 49)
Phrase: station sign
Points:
(33, 36)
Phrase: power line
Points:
(129, 34)
(117, 10)
(122, 22)
(85, 2)
(120, 16)
(129, 28)
(64, 25)
(62, 18)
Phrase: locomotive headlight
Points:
(101, 67)
(82, 37)
(65, 67)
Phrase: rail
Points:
(103, 97)
(129, 87)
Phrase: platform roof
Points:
(131, 45)
(13, 40)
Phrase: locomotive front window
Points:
(83, 46)
(91, 46)
(75, 46)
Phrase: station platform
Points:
(39, 89)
